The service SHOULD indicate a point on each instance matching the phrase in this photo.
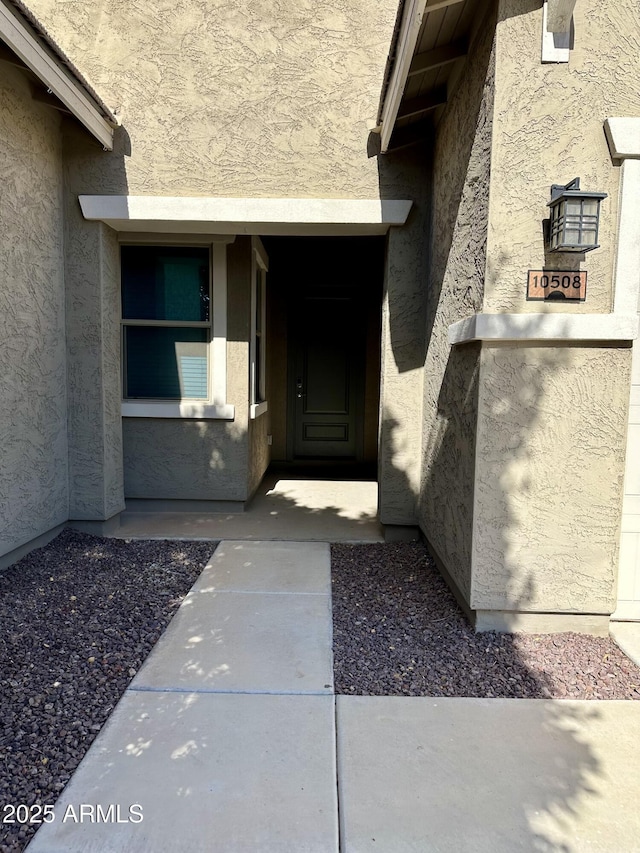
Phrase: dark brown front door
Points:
(326, 375)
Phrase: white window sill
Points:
(257, 409)
(194, 410)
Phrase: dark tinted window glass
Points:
(165, 283)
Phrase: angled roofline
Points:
(25, 36)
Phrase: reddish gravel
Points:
(77, 619)
(398, 632)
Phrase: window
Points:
(174, 330)
(257, 363)
(166, 297)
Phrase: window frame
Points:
(215, 406)
(258, 404)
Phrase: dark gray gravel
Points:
(77, 619)
(398, 631)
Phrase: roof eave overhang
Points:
(398, 71)
(52, 74)
(407, 40)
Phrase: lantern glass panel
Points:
(573, 218)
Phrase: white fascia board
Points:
(407, 40)
(35, 57)
(203, 215)
(544, 327)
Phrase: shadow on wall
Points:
(458, 235)
(185, 459)
(406, 174)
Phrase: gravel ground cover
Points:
(77, 619)
(398, 631)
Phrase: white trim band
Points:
(544, 327)
(195, 411)
(219, 330)
(290, 216)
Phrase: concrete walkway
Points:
(230, 739)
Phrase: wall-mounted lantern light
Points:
(573, 225)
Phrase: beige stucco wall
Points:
(549, 129)
(550, 446)
(461, 179)
(523, 446)
(181, 459)
(402, 342)
(551, 420)
(234, 99)
(92, 295)
(260, 100)
(33, 421)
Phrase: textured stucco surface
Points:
(93, 365)
(550, 451)
(184, 459)
(459, 231)
(549, 129)
(551, 434)
(201, 460)
(402, 345)
(259, 451)
(33, 423)
(268, 98)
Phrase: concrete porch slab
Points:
(211, 773)
(270, 567)
(244, 642)
(284, 508)
(488, 775)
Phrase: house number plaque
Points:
(561, 285)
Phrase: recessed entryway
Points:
(323, 326)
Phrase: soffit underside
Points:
(437, 63)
